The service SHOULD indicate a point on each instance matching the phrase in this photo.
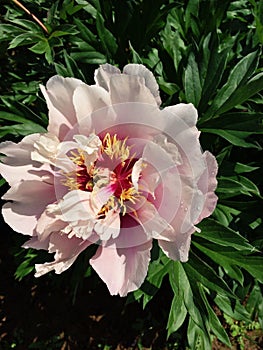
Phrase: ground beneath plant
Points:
(39, 314)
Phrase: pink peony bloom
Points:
(113, 170)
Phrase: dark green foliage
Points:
(213, 61)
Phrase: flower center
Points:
(115, 161)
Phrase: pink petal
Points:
(153, 224)
(74, 206)
(18, 153)
(179, 248)
(179, 202)
(17, 164)
(186, 112)
(109, 226)
(66, 252)
(207, 184)
(30, 199)
(137, 121)
(129, 88)
(47, 224)
(136, 172)
(132, 234)
(87, 99)
(180, 128)
(150, 81)
(104, 73)
(59, 98)
(35, 243)
(123, 270)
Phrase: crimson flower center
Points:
(112, 168)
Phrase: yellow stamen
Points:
(115, 148)
(70, 181)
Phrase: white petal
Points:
(67, 251)
(136, 172)
(109, 227)
(150, 82)
(74, 206)
(153, 224)
(88, 99)
(104, 73)
(123, 270)
(128, 88)
(178, 249)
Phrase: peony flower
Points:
(114, 170)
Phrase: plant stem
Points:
(31, 14)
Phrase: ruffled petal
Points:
(48, 224)
(123, 270)
(136, 172)
(186, 111)
(108, 227)
(180, 128)
(30, 199)
(150, 81)
(74, 206)
(66, 252)
(104, 73)
(45, 149)
(87, 99)
(17, 165)
(207, 185)
(153, 224)
(129, 88)
(35, 243)
(179, 248)
(59, 97)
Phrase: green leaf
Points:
(237, 78)
(206, 275)
(21, 129)
(236, 138)
(172, 41)
(198, 339)
(89, 7)
(156, 272)
(72, 67)
(216, 233)
(23, 39)
(235, 310)
(238, 121)
(254, 304)
(181, 285)
(213, 70)
(243, 93)
(28, 25)
(108, 41)
(12, 117)
(2, 182)
(91, 57)
(58, 33)
(40, 47)
(228, 258)
(213, 321)
(9, 32)
(234, 186)
(49, 54)
(177, 314)
(191, 11)
(85, 33)
(135, 56)
(192, 84)
(244, 168)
